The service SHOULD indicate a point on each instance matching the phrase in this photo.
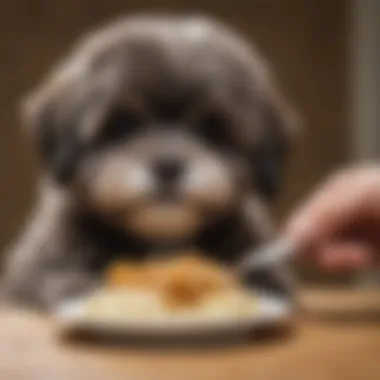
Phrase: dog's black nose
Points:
(168, 170)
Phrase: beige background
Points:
(306, 40)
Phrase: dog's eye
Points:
(214, 128)
(121, 125)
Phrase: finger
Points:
(345, 257)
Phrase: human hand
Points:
(338, 227)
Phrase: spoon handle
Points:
(270, 255)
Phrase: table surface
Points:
(319, 349)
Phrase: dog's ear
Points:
(50, 120)
(280, 126)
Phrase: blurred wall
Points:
(306, 40)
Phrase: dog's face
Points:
(161, 125)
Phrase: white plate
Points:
(271, 312)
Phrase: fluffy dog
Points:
(154, 134)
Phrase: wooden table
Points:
(318, 350)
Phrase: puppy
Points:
(156, 133)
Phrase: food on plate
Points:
(188, 287)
